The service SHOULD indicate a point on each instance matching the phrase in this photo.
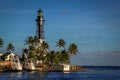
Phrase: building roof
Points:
(8, 53)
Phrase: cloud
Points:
(110, 18)
(89, 40)
(17, 11)
(108, 58)
(102, 53)
(91, 37)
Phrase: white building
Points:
(13, 59)
(10, 56)
(66, 67)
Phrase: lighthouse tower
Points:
(40, 23)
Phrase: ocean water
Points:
(95, 73)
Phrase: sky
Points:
(94, 25)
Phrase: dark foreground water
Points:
(96, 73)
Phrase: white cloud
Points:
(99, 58)
(17, 11)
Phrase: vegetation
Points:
(61, 44)
(10, 47)
(40, 51)
(37, 51)
(72, 49)
(24, 56)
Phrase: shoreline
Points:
(74, 68)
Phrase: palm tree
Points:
(44, 50)
(10, 47)
(38, 54)
(61, 44)
(53, 58)
(44, 47)
(32, 48)
(65, 57)
(72, 49)
(32, 42)
(1, 42)
(25, 54)
(32, 52)
(25, 51)
(50, 57)
(29, 40)
(36, 41)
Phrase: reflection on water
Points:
(84, 75)
(33, 75)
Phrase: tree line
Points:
(40, 51)
(10, 46)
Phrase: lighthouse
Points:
(40, 26)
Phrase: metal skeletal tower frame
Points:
(40, 23)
